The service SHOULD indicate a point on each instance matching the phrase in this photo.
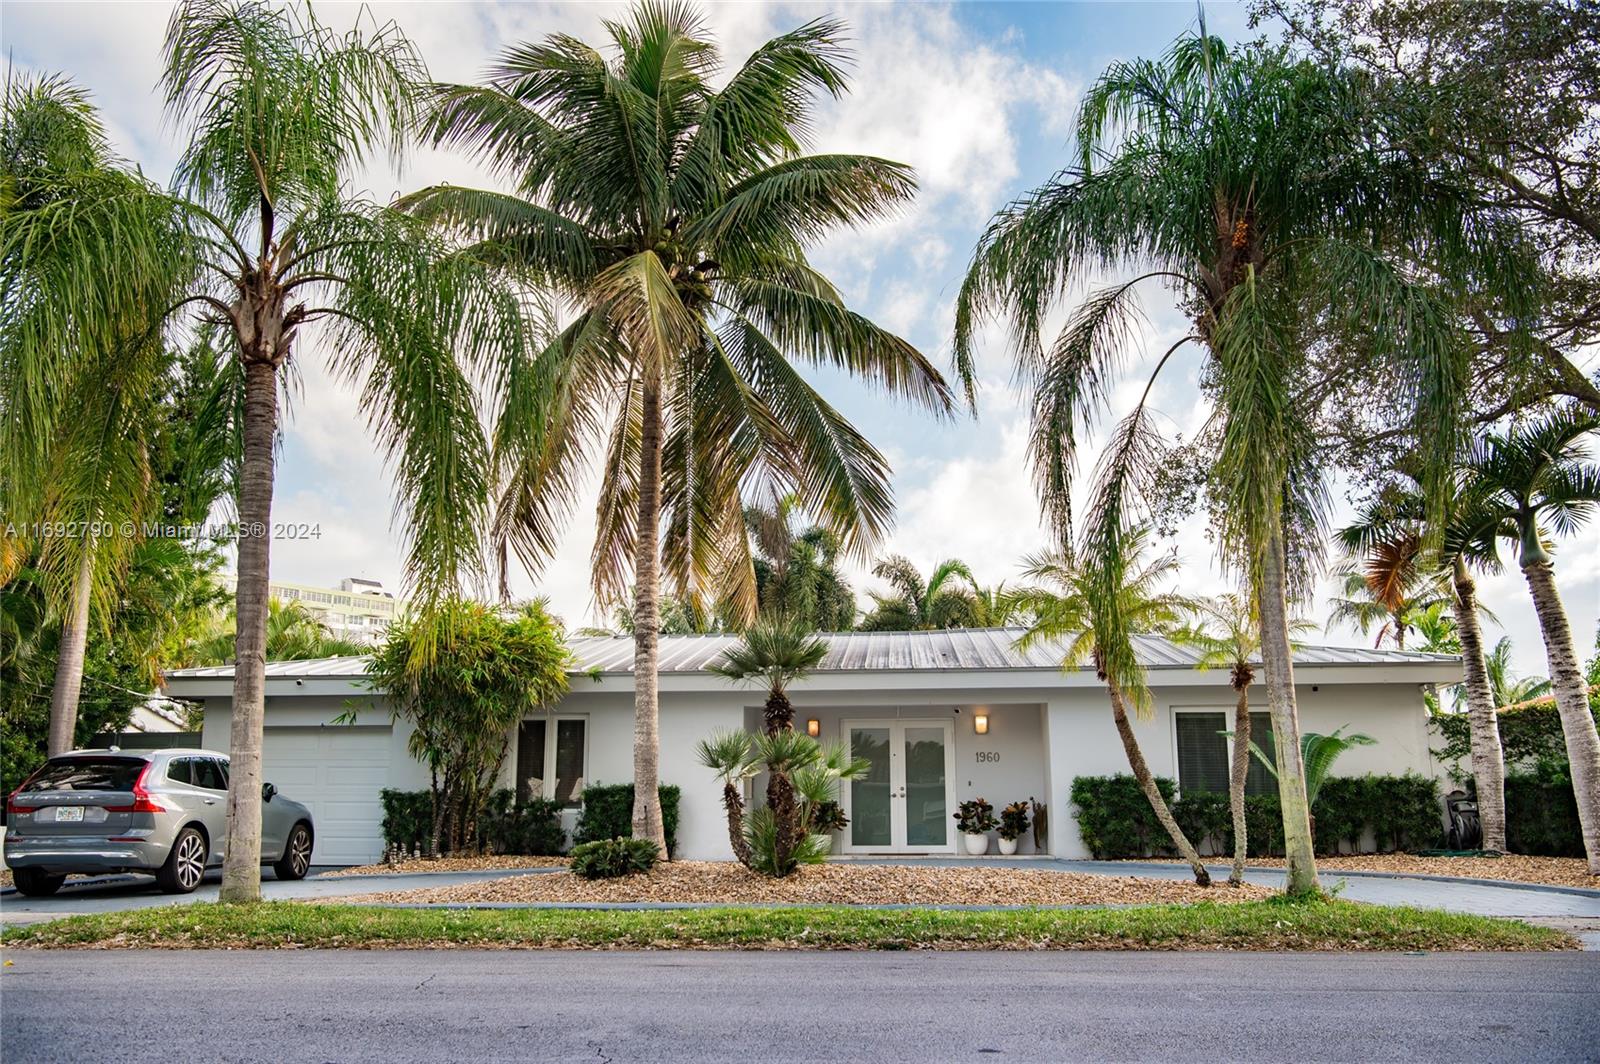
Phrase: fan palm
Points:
(1540, 475)
(947, 599)
(1255, 187)
(731, 756)
(1226, 633)
(671, 218)
(280, 112)
(775, 653)
(1092, 606)
(1397, 547)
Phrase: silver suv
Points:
(150, 811)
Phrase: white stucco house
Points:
(944, 716)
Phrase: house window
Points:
(551, 755)
(1203, 752)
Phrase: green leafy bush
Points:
(1115, 819)
(761, 835)
(608, 814)
(1542, 813)
(531, 829)
(611, 858)
(1530, 737)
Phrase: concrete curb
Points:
(495, 872)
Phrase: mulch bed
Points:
(715, 882)
(449, 864)
(1518, 868)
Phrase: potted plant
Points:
(975, 819)
(1013, 822)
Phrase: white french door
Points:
(902, 805)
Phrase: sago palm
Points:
(1540, 476)
(670, 219)
(1255, 188)
(280, 113)
(1093, 605)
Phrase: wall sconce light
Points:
(813, 727)
(980, 723)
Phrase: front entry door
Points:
(902, 805)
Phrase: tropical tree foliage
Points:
(948, 598)
(464, 700)
(1260, 190)
(294, 633)
(1535, 479)
(797, 572)
(671, 217)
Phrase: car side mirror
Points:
(267, 791)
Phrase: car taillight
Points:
(143, 800)
(13, 807)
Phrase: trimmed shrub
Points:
(608, 814)
(1115, 819)
(611, 858)
(1542, 813)
(1530, 737)
(531, 829)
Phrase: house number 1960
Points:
(988, 756)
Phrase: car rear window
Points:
(88, 774)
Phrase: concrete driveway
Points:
(104, 894)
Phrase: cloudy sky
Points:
(977, 97)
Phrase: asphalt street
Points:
(450, 1005)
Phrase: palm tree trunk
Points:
(733, 803)
(1147, 783)
(1572, 700)
(779, 713)
(1488, 761)
(1277, 660)
(1240, 772)
(241, 869)
(69, 658)
(647, 622)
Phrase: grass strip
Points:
(1277, 924)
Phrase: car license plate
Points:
(69, 814)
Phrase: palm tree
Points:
(294, 633)
(796, 572)
(671, 218)
(1510, 690)
(280, 112)
(1387, 593)
(1225, 631)
(1398, 547)
(85, 466)
(1093, 606)
(947, 599)
(1538, 475)
(1256, 187)
(1318, 753)
(776, 653)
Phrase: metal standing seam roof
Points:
(968, 649)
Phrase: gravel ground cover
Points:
(1554, 871)
(449, 864)
(728, 882)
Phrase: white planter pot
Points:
(824, 840)
(977, 845)
(1008, 846)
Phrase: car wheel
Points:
(296, 859)
(186, 864)
(36, 884)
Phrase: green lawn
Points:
(1267, 925)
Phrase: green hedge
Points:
(608, 814)
(1542, 813)
(1529, 738)
(533, 828)
(1115, 820)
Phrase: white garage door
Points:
(337, 772)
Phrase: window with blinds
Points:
(1203, 752)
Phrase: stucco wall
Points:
(1042, 733)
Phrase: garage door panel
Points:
(337, 773)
